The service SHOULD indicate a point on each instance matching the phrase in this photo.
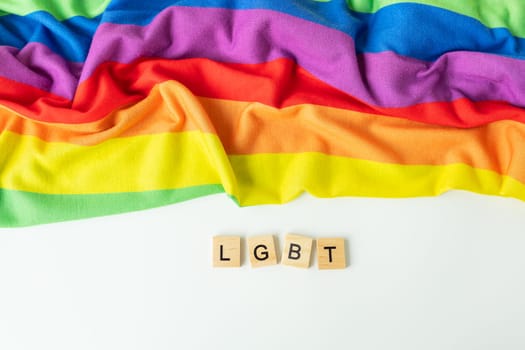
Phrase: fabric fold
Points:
(114, 106)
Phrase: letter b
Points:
(294, 252)
(297, 251)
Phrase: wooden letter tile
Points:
(297, 251)
(226, 251)
(331, 253)
(262, 251)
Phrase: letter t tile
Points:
(331, 253)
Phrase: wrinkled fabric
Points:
(113, 106)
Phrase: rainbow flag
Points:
(121, 105)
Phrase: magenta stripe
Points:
(254, 36)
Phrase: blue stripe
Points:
(419, 31)
(70, 38)
(333, 14)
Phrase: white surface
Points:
(427, 273)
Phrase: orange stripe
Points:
(249, 128)
(164, 110)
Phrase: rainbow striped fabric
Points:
(114, 106)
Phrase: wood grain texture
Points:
(331, 253)
(226, 251)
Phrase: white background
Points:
(426, 273)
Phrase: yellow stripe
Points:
(139, 163)
(172, 161)
(272, 178)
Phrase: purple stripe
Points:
(254, 36)
(38, 66)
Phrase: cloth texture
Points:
(110, 106)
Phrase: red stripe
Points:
(279, 83)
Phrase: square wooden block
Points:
(262, 250)
(331, 253)
(297, 251)
(226, 251)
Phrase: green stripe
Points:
(19, 208)
(492, 13)
(61, 10)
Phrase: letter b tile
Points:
(262, 251)
(297, 251)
